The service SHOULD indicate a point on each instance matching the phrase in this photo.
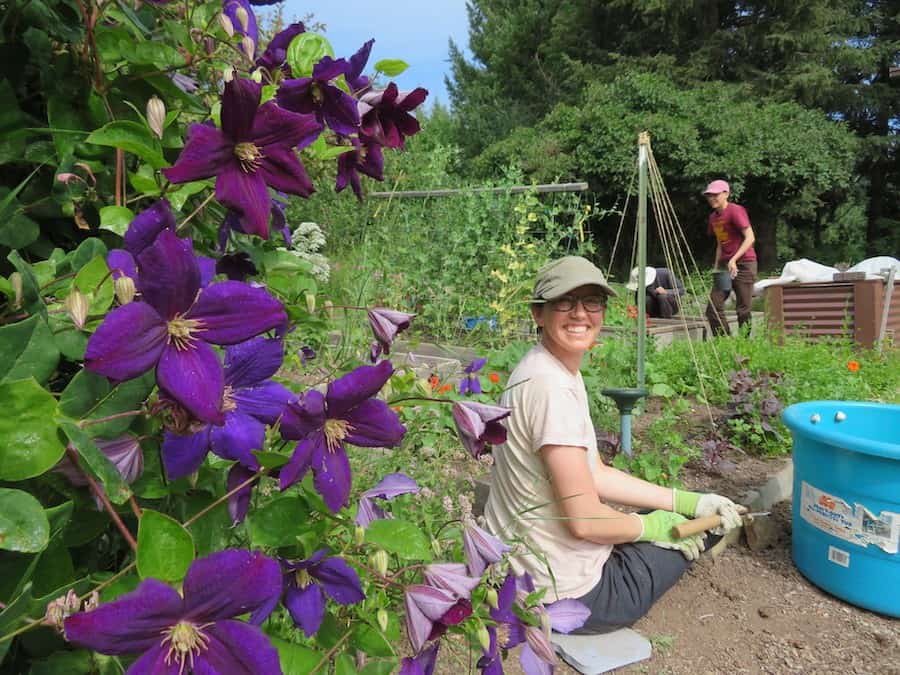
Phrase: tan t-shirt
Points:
(549, 407)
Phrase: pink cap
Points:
(716, 187)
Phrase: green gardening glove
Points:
(697, 505)
(657, 529)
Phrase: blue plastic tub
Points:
(846, 506)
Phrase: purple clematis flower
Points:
(251, 30)
(471, 383)
(275, 57)
(422, 663)
(451, 577)
(430, 611)
(141, 233)
(318, 95)
(391, 486)
(537, 655)
(253, 149)
(355, 79)
(233, 222)
(236, 266)
(479, 424)
(239, 502)
(386, 324)
(194, 633)
(307, 354)
(384, 115)
(307, 582)
(347, 413)
(250, 402)
(124, 452)
(173, 328)
(366, 158)
(481, 548)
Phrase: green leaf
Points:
(662, 389)
(379, 667)
(275, 524)
(271, 460)
(31, 297)
(86, 526)
(116, 219)
(23, 524)
(391, 67)
(71, 343)
(16, 229)
(295, 659)
(144, 182)
(28, 436)
(165, 548)
(96, 282)
(130, 137)
(370, 640)
(64, 663)
(344, 665)
(91, 396)
(178, 196)
(305, 51)
(400, 537)
(96, 462)
(12, 615)
(27, 349)
(320, 149)
(212, 531)
(62, 115)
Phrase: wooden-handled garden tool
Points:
(698, 525)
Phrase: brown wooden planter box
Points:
(840, 309)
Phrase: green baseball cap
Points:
(565, 274)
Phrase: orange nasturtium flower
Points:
(494, 377)
(853, 366)
(445, 388)
(434, 381)
(632, 312)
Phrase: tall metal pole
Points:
(643, 153)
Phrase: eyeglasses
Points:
(591, 303)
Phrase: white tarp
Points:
(809, 271)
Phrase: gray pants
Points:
(634, 577)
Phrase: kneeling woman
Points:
(549, 488)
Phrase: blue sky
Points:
(417, 31)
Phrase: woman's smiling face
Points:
(569, 333)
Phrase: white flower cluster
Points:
(307, 241)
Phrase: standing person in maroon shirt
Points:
(731, 227)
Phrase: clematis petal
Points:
(333, 478)
(282, 170)
(451, 577)
(532, 664)
(328, 68)
(294, 95)
(240, 101)
(228, 583)
(355, 387)
(236, 648)
(237, 438)
(433, 602)
(239, 502)
(131, 623)
(303, 416)
(247, 194)
(374, 425)
(566, 615)
(367, 511)
(339, 580)
(153, 662)
(392, 485)
(339, 111)
(300, 461)
(232, 312)
(276, 127)
(355, 79)
(121, 263)
(193, 377)
(230, 8)
(206, 152)
(276, 52)
(207, 267)
(128, 343)
(418, 626)
(147, 225)
(250, 362)
(170, 276)
(481, 548)
(183, 455)
(307, 607)
(266, 402)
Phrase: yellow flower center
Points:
(249, 156)
(228, 403)
(502, 635)
(335, 432)
(185, 641)
(181, 331)
(302, 578)
(317, 95)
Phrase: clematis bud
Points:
(243, 18)
(248, 46)
(257, 75)
(436, 546)
(386, 324)
(15, 280)
(125, 289)
(329, 308)
(451, 577)
(379, 561)
(77, 306)
(310, 302)
(156, 115)
(479, 424)
(382, 617)
(228, 74)
(491, 598)
(481, 548)
(484, 638)
(359, 535)
(226, 24)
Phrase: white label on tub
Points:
(855, 524)
(838, 556)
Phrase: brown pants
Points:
(742, 285)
